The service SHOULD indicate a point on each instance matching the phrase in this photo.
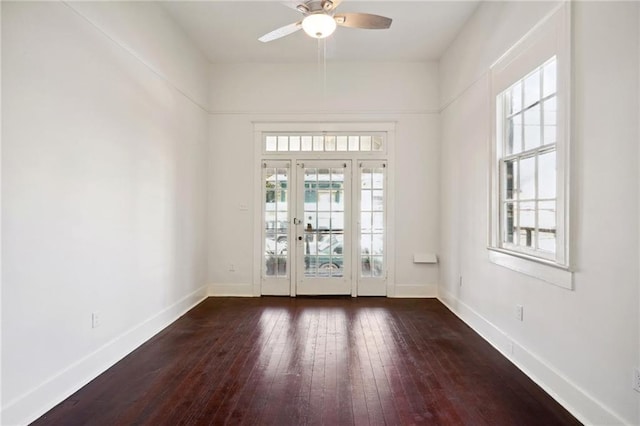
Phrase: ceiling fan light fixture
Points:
(319, 25)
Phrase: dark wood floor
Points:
(331, 361)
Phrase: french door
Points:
(324, 227)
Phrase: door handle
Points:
(297, 221)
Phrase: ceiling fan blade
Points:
(298, 5)
(363, 20)
(281, 32)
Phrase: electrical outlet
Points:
(95, 320)
(519, 312)
(636, 379)
(232, 267)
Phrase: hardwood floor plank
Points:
(313, 361)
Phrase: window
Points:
(373, 142)
(530, 106)
(528, 162)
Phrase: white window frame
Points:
(550, 37)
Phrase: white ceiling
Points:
(228, 31)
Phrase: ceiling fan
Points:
(320, 20)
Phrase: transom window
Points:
(324, 142)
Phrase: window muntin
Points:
(527, 138)
(325, 142)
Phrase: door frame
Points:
(260, 155)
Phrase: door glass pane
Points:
(276, 205)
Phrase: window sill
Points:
(549, 272)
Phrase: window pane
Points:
(527, 178)
(365, 143)
(294, 143)
(547, 226)
(341, 143)
(549, 79)
(307, 143)
(377, 143)
(532, 89)
(526, 224)
(516, 98)
(532, 128)
(330, 143)
(318, 143)
(510, 179)
(550, 120)
(509, 224)
(283, 143)
(547, 175)
(354, 143)
(514, 137)
(271, 143)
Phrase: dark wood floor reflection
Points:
(331, 361)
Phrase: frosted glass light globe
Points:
(319, 25)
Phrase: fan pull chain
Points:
(322, 65)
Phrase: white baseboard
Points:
(231, 290)
(415, 291)
(60, 386)
(578, 402)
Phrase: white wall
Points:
(103, 184)
(580, 345)
(406, 93)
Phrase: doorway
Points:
(323, 214)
